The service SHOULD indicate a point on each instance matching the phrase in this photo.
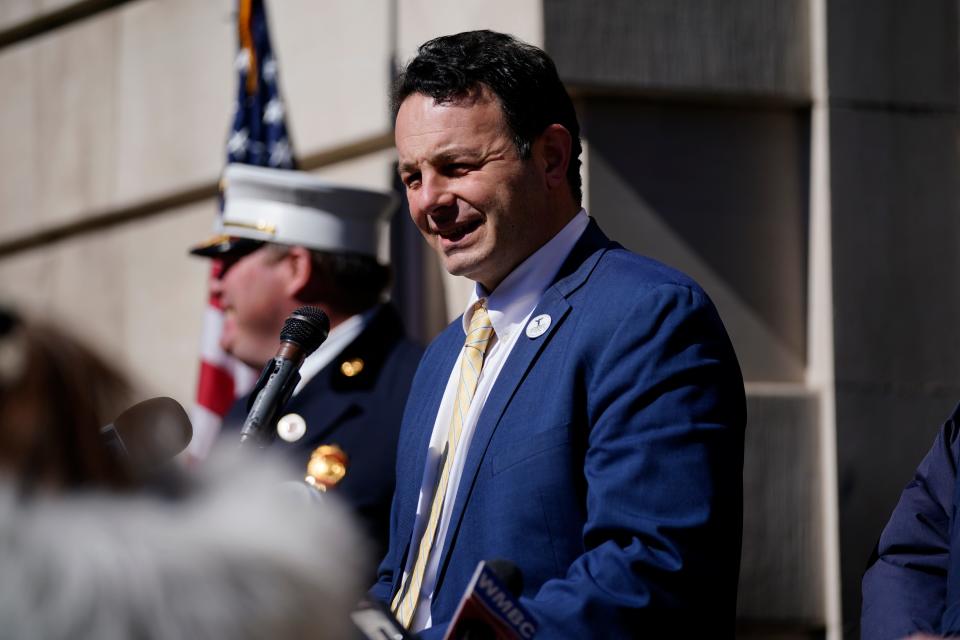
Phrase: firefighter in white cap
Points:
(291, 239)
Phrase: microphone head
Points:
(153, 432)
(509, 574)
(307, 327)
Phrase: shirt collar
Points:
(519, 293)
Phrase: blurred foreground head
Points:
(88, 555)
(236, 557)
(55, 394)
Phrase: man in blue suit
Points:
(912, 584)
(584, 418)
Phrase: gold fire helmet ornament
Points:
(327, 467)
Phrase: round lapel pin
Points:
(291, 427)
(538, 326)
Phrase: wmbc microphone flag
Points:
(488, 610)
(258, 136)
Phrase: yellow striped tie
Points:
(474, 348)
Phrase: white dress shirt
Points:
(510, 307)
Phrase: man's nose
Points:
(435, 194)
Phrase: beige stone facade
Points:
(800, 158)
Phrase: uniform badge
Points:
(351, 367)
(327, 467)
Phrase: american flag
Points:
(258, 136)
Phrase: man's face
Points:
(477, 203)
(253, 296)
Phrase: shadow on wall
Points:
(722, 194)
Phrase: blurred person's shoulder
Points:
(238, 553)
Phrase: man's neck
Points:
(557, 223)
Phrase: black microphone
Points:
(490, 608)
(302, 333)
(149, 434)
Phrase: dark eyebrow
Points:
(443, 157)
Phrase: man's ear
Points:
(299, 271)
(554, 145)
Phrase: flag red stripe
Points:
(216, 268)
(215, 388)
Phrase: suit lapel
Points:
(574, 272)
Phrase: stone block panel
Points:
(781, 570)
(16, 12)
(717, 46)
(334, 69)
(174, 94)
(896, 235)
(134, 103)
(720, 193)
(20, 169)
(75, 140)
(422, 20)
(58, 120)
(892, 52)
(131, 291)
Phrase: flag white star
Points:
(242, 61)
(269, 69)
(237, 144)
(274, 111)
(282, 155)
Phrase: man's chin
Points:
(230, 348)
(463, 272)
(460, 263)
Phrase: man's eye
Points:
(410, 181)
(458, 168)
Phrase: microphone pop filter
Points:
(307, 327)
(509, 574)
(152, 432)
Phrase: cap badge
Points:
(260, 225)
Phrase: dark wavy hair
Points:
(522, 76)
(55, 395)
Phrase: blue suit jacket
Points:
(606, 463)
(913, 579)
(361, 414)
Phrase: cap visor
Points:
(226, 247)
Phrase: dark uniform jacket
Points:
(360, 412)
(913, 581)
